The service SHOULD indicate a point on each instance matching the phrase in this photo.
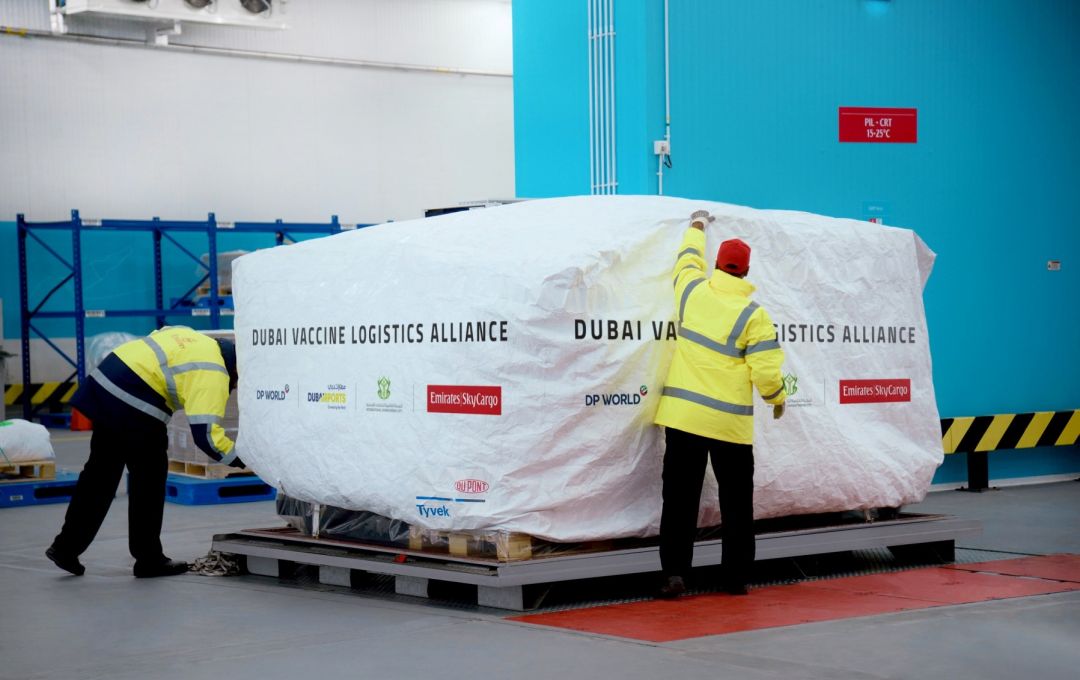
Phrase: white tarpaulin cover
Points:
(500, 368)
(22, 442)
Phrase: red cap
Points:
(733, 257)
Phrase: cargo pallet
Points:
(503, 585)
(24, 492)
(195, 491)
(184, 490)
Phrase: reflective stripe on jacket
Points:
(184, 369)
(727, 345)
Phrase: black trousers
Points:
(143, 450)
(684, 473)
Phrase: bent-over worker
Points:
(130, 398)
(726, 346)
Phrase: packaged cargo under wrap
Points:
(500, 368)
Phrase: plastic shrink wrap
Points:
(499, 369)
(22, 442)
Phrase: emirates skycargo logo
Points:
(483, 400)
(875, 391)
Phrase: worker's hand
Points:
(700, 219)
(778, 411)
(237, 463)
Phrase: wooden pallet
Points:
(205, 470)
(34, 469)
(504, 546)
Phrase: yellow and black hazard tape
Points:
(1010, 431)
(52, 393)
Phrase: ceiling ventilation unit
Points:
(247, 13)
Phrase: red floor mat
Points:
(828, 600)
(1052, 567)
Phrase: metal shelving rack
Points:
(186, 305)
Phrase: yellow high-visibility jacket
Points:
(172, 368)
(727, 344)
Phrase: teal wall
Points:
(755, 89)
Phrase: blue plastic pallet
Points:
(38, 491)
(194, 491)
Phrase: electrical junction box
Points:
(661, 147)
(223, 12)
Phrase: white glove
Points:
(778, 411)
(702, 218)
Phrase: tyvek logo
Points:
(384, 388)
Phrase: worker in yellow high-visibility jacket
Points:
(726, 346)
(130, 397)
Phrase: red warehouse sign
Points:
(873, 391)
(877, 125)
(475, 399)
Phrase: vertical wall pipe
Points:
(592, 111)
(601, 64)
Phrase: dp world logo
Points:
(643, 390)
(791, 384)
(384, 388)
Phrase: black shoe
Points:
(155, 569)
(65, 562)
(672, 588)
(736, 589)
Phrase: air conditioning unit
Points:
(247, 13)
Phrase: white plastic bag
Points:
(22, 442)
(99, 346)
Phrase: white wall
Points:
(121, 131)
(135, 132)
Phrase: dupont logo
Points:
(874, 391)
(485, 400)
(471, 486)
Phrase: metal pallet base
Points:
(501, 584)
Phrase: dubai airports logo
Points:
(335, 397)
(384, 405)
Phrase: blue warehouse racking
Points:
(212, 308)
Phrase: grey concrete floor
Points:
(108, 625)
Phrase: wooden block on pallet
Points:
(459, 544)
(416, 538)
(205, 470)
(34, 469)
(510, 547)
